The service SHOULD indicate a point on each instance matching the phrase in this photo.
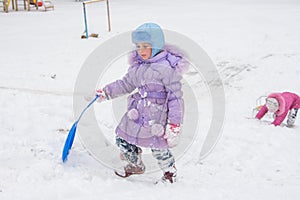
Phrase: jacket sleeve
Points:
(262, 112)
(290, 103)
(279, 119)
(120, 87)
(175, 101)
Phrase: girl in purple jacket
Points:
(281, 104)
(155, 111)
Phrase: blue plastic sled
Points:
(72, 132)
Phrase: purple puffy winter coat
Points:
(156, 102)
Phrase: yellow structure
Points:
(46, 4)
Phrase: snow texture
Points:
(255, 46)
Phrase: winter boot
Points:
(292, 117)
(135, 169)
(131, 169)
(170, 175)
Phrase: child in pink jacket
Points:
(281, 104)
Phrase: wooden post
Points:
(16, 3)
(108, 15)
(107, 9)
(5, 6)
(13, 4)
(85, 22)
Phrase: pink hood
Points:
(176, 57)
(281, 102)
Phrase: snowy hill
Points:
(255, 46)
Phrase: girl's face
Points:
(144, 50)
(272, 105)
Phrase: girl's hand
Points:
(99, 93)
(172, 134)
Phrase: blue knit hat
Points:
(151, 33)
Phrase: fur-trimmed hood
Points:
(175, 57)
(281, 102)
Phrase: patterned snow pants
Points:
(131, 153)
(292, 117)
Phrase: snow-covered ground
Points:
(255, 46)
